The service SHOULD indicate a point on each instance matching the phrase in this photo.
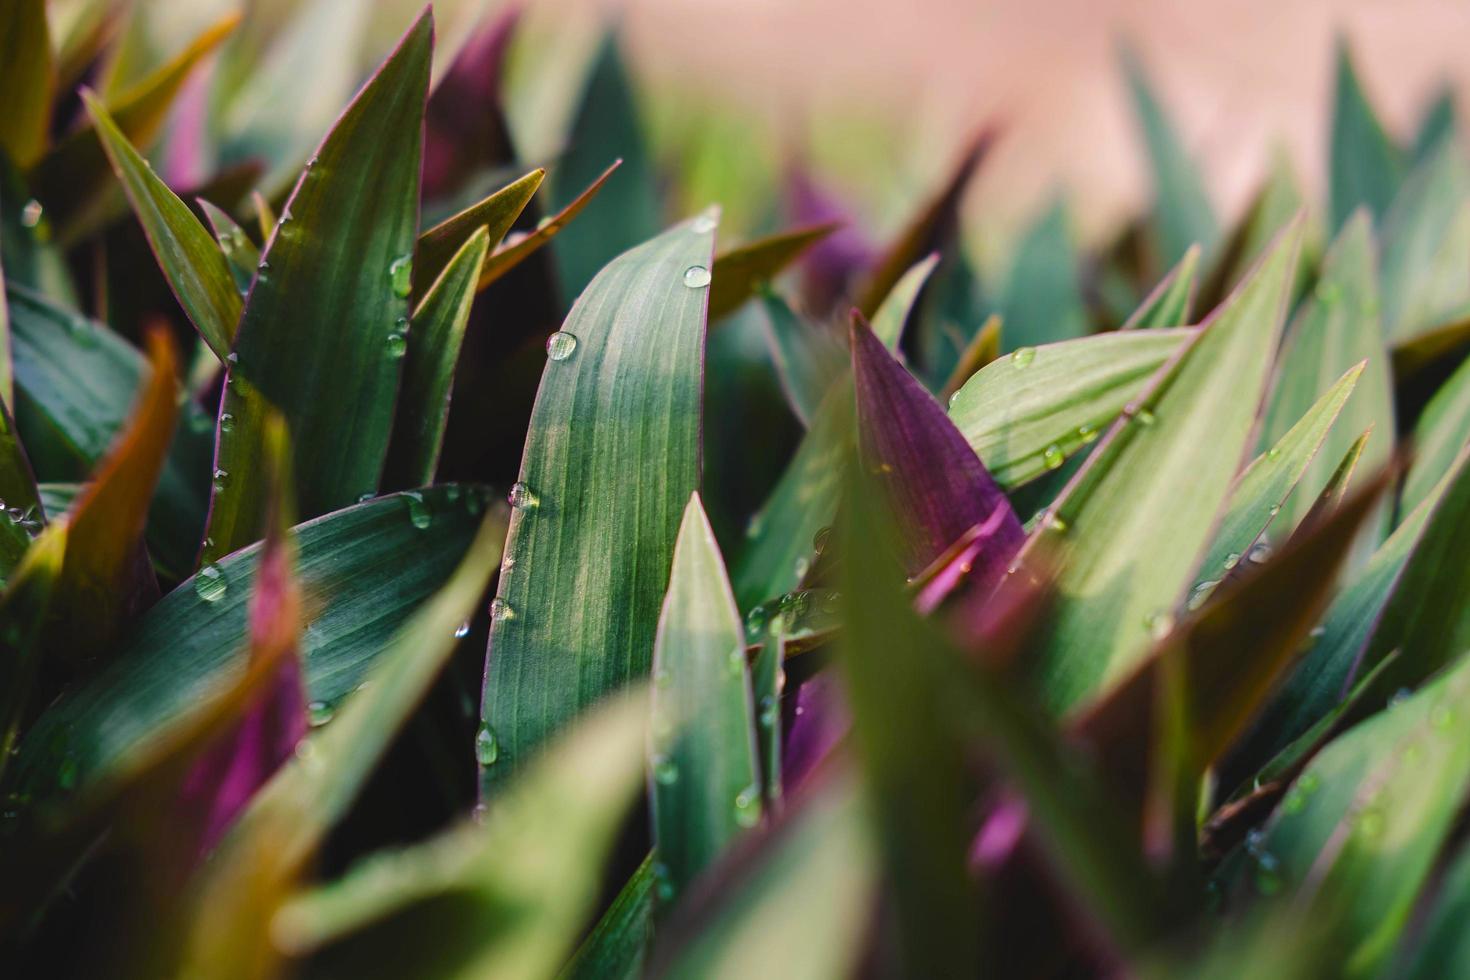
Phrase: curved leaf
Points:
(322, 335)
(516, 249)
(239, 251)
(610, 460)
(808, 357)
(438, 246)
(740, 272)
(617, 946)
(893, 313)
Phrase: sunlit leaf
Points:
(740, 272)
(496, 213)
(1172, 300)
(28, 77)
(515, 249)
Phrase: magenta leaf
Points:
(464, 127)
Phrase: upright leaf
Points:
(706, 783)
(1441, 432)
(239, 251)
(1172, 300)
(24, 608)
(807, 355)
(610, 460)
(1336, 329)
(741, 272)
(1131, 527)
(1436, 125)
(28, 77)
(606, 127)
(322, 336)
(196, 270)
(428, 371)
(1043, 297)
(1425, 247)
(893, 313)
(496, 214)
(1182, 215)
(1365, 167)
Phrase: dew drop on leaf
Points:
(210, 584)
(748, 807)
(1023, 356)
(500, 610)
(418, 510)
(318, 713)
(560, 345)
(400, 274)
(665, 771)
(696, 277)
(1053, 457)
(522, 497)
(487, 745)
(397, 345)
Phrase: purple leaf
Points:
(819, 722)
(939, 490)
(833, 266)
(464, 127)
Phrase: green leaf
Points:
(17, 484)
(28, 77)
(1171, 301)
(798, 906)
(1278, 200)
(1425, 247)
(1271, 481)
(617, 946)
(362, 570)
(428, 372)
(1443, 949)
(239, 251)
(506, 899)
(32, 258)
(1354, 842)
(1182, 215)
(982, 349)
(741, 272)
(322, 335)
(898, 304)
(438, 246)
(517, 248)
(1439, 434)
(1130, 528)
(1365, 166)
(196, 270)
(611, 456)
(1024, 413)
(75, 382)
(706, 784)
(1438, 123)
(808, 356)
(289, 818)
(23, 610)
(1043, 297)
(606, 126)
(1336, 329)
(73, 179)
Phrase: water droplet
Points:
(226, 422)
(1273, 453)
(210, 584)
(397, 345)
(705, 223)
(1399, 697)
(1267, 877)
(1200, 593)
(544, 223)
(1023, 356)
(487, 746)
(755, 621)
(662, 885)
(748, 806)
(363, 498)
(954, 397)
(736, 660)
(522, 497)
(400, 273)
(232, 358)
(1274, 510)
(754, 525)
(560, 345)
(31, 214)
(1087, 433)
(1144, 417)
(1054, 522)
(1231, 560)
(418, 511)
(462, 630)
(1159, 624)
(802, 566)
(820, 539)
(1260, 553)
(318, 713)
(770, 711)
(1053, 457)
(1295, 802)
(500, 610)
(696, 277)
(665, 771)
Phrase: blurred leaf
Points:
(496, 213)
(1337, 484)
(1131, 527)
(610, 460)
(428, 371)
(1026, 412)
(936, 485)
(265, 216)
(362, 571)
(106, 579)
(18, 489)
(617, 946)
(515, 249)
(1338, 654)
(73, 179)
(239, 251)
(1438, 124)
(28, 77)
(767, 677)
(502, 900)
(1365, 167)
(287, 821)
(32, 258)
(1353, 843)
(1439, 435)
(740, 272)
(1278, 200)
(1424, 250)
(777, 550)
(75, 383)
(1043, 297)
(1182, 215)
(983, 348)
(706, 782)
(897, 677)
(796, 903)
(1265, 486)
(896, 308)
(324, 327)
(930, 229)
(1336, 329)
(1443, 945)
(24, 608)
(606, 127)
(808, 357)
(1172, 300)
(195, 268)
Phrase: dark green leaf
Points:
(741, 272)
(1365, 165)
(1439, 435)
(438, 246)
(239, 251)
(808, 356)
(518, 247)
(28, 78)
(1424, 251)
(617, 947)
(1043, 298)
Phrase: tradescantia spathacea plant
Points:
(425, 558)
